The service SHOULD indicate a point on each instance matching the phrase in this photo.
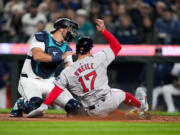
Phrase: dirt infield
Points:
(113, 117)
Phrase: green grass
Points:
(166, 113)
(48, 111)
(88, 128)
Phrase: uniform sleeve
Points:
(114, 44)
(61, 81)
(35, 43)
(106, 56)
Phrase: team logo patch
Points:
(54, 53)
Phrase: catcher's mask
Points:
(66, 23)
(84, 45)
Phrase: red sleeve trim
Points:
(114, 44)
(56, 91)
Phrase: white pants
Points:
(157, 91)
(3, 100)
(112, 102)
(29, 87)
(168, 91)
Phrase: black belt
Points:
(24, 75)
(29, 57)
(91, 107)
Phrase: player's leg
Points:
(126, 98)
(112, 101)
(17, 110)
(168, 91)
(157, 91)
(31, 94)
(107, 104)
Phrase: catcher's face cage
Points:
(84, 45)
(66, 23)
(71, 25)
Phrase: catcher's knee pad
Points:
(32, 104)
(73, 107)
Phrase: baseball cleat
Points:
(136, 114)
(16, 113)
(17, 110)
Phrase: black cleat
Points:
(16, 113)
(17, 110)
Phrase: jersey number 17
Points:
(87, 77)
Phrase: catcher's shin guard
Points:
(32, 104)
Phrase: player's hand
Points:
(100, 25)
(67, 54)
(38, 112)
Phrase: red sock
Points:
(56, 91)
(131, 100)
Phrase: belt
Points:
(29, 57)
(94, 106)
(91, 107)
(24, 75)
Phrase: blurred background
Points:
(151, 25)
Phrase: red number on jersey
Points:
(87, 77)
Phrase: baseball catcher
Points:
(47, 56)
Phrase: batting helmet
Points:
(74, 107)
(65, 23)
(84, 45)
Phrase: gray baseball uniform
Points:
(87, 78)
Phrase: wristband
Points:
(56, 58)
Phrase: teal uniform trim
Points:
(37, 67)
(52, 44)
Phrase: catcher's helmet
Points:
(65, 23)
(84, 45)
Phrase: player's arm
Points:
(114, 44)
(56, 91)
(61, 83)
(39, 55)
